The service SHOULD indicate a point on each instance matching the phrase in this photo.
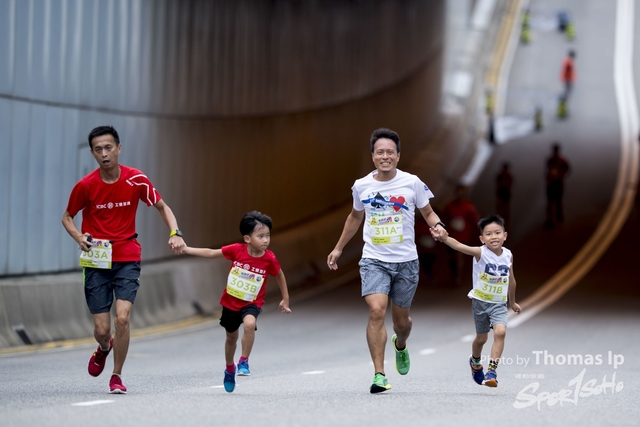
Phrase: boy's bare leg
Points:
(478, 342)
(248, 335)
(499, 333)
(230, 346)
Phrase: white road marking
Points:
(427, 351)
(92, 403)
(313, 373)
(470, 337)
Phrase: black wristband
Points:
(439, 223)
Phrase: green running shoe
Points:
(380, 384)
(402, 357)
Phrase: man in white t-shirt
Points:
(387, 198)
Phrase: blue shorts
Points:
(398, 280)
(487, 314)
(100, 284)
(231, 320)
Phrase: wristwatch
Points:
(176, 233)
(440, 223)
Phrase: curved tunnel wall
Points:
(226, 106)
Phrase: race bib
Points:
(244, 284)
(99, 256)
(491, 288)
(386, 230)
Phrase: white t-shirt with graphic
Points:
(491, 276)
(390, 206)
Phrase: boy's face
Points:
(259, 238)
(493, 236)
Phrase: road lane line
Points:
(92, 403)
(626, 183)
(427, 351)
(313, 373)
(470, 337)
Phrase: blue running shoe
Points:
(229, 381)
(243, 369)
(476, 372)
(491, 379)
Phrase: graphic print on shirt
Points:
(494, 283)
(385, 218)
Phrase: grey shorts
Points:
(398, 280)
(487, 314)
(101, 284)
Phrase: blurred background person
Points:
(461, 218)
(568, 75)
(557, 169)
(504, 181)
(426, 245)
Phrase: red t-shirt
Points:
(265, 265)
(109, 210)
(568, 71)
(462, 217)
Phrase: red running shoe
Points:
(99, 357)
(116, 386)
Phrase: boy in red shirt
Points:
(108, 198)
(243, 297)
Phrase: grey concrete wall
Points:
(227, 106)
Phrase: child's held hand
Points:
(284, 306)
(516, 307)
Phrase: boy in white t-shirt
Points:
(389, 268)
(494, 289)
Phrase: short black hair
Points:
(385, 133)
(490, 219)
(251, 219)
(103, 130)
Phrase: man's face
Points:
(385, 155)
(106, 151)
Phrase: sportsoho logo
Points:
(578, 388)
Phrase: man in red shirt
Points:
(108, 198)
(568, 75)
(462, 217)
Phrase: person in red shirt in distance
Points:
(243, 296)
(108, 198)
(568, 74)
(462, 218)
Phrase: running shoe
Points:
(116, 386)
(229, 380)
(491, 379)
(99, 357)
(243, 369)
(402, 357)
(476, 372)
(380, 384)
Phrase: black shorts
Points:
(231, 320)
(101, 284)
